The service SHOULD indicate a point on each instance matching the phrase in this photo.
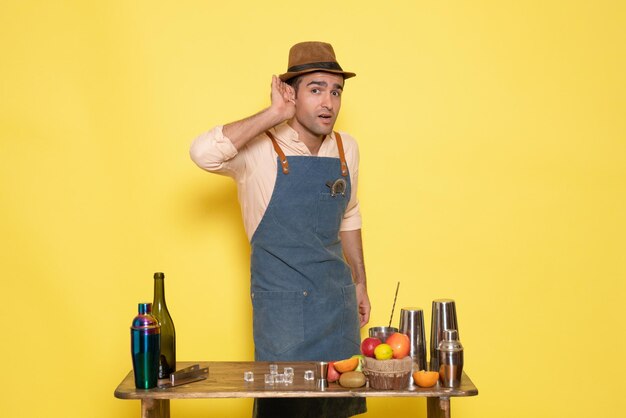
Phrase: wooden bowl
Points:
(390, 374)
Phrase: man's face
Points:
(318, 101)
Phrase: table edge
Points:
(157, 393)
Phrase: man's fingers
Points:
(364, 315)
(364, 319)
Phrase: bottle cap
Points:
(159, 275)
(144, 308)
(450, 334)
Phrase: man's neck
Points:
(313, 142)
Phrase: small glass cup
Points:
(248, 376)
(273, 368)
(309, 375)
(288, 371)
(269, 378)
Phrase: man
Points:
(297, 182)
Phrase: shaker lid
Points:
(145, 321)
(450, 341)
(450, 334)
(144, 308)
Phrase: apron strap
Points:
(279, 151)
(342, 155)
(285, 164)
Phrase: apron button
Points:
(305, 293)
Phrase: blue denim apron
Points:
(303, 297)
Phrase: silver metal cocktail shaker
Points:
(443, 318)
(412, 324)
(450, 359)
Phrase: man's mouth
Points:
(325, 116)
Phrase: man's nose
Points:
(327, 101)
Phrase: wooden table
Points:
(226, 381)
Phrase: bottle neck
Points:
(159, 292)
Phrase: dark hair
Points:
(295, 82)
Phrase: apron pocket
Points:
(350, 323)
(330, 212)
(278, 320)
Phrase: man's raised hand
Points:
(283, 99)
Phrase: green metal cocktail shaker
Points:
(145, 347)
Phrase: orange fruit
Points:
(383, 352)
(347, 365)
(425, 379)
(361, 363)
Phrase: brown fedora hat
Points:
(309, 57)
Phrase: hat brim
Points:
(289, 75)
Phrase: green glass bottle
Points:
(167, 359)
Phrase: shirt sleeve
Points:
(352, 217)
(214, 152)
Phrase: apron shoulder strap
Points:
(279, 151)
(285, 164)
(342, 155)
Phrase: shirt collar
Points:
(287, 133)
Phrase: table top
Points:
(225, 380)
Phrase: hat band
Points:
(316, 65)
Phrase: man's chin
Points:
(325, 130)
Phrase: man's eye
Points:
(315, 91)
(336, 93)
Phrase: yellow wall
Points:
(493, 171)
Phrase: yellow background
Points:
(493, 171)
